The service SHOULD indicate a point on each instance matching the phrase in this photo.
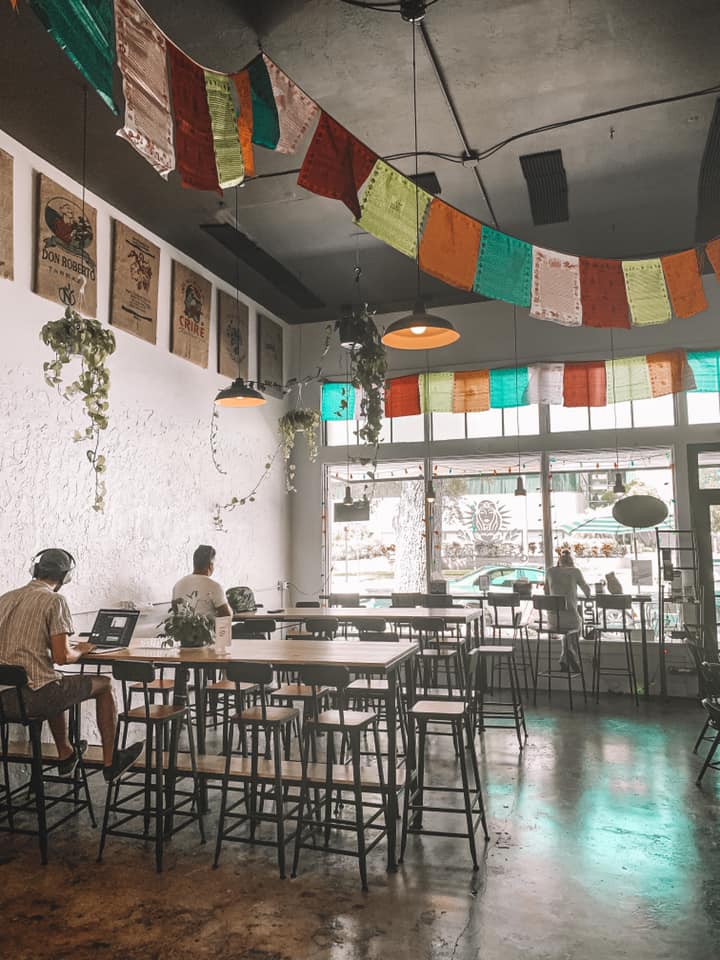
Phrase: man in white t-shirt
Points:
(204, 594)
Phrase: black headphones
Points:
(66, 571)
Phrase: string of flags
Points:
(205, 124)
(590, 383)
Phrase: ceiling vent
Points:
(707, 223)
(547, 186)
(254, 257)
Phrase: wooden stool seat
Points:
(368, 687)
(164, 684)
(272, 715)
(330, 719)
(156, 712)
(227, 686)
(436, 708)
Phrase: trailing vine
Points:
(77, 336)
(368, 366)
(221, 508)
(213, 441)
(289, 425)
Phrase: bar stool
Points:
(157, 779)
(275, 722)
(515, 629)
(500, 711)
(435, 651)
(549, 608)
(350, 724)
(222, 691)
(376, 691)
(713, 712)
(460, 714)
(709, 684)
(622, 604)
(74, 791)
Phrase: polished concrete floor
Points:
(601, 847)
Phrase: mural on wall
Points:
(190, 328)
(134, 285)
(270, 352)
(66, 251)
(233, 322)
(6, 216)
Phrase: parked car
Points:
(500, 578)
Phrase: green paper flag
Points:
(228, 154)
(337, 401)
(504, 268)
(436, 392)
(266, 126)
(85, 30)
(706, 370)
(508, 386)
(391, 210)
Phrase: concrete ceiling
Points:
(511, 65)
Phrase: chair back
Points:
(620, 602)
(134, 671)
(322, 628)
(437, 601)
(709, 677)
(406, 599)
(369, 626)
(260, 674)
(309, 604)
(547, 604)
(260, 628)
(713, 711)
(12, 709)
(522, 588)
(503, 600)
(379, 636)
(472, 677)
(344, 600)
(325, 675)
(428, 630)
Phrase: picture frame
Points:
(134, 283)
(233, 332)
(190, 326)
(270, 337)
(7, 266)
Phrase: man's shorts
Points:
(48, 700)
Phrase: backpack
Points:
(241, 600)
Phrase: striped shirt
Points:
(29, 616)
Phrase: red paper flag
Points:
(245, 119)
(603, 294)
(584, 384)
(449, 245)
(402, 396)
(684, 285)
(336, 164)
(194, 150)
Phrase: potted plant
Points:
(289, 426)
(186, 627)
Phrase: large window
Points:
(653, 412)
(703, 407)
(491, 423)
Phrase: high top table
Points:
(382, 658)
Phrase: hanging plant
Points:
(76, 336)
(368, 367)
(289, 426)
(233, 502)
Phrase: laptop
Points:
(112, 630)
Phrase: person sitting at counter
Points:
(205, 594)
(563, 580)
(35, 623)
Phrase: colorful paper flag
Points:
(142, 60)
(390, 209)
(226, 142)
(266, 126)
(584, 384)
(627, 379)
(556, 288)
(449, 245)
(705, 368)
(508, 387)
(245, 119)
(296, 111)
(337, 401)
(436, 392)
(545, 383)
(471, 391)
(504, 268)
(336, 164)
(402, 396)
(669, 372)
(684, 283)
(603, 294)
(195, 152)
(646, 292)
(85, 30)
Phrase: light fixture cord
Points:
(417, 169)
(612, 357)
(517, 384)
(237, 283)
(84, 173)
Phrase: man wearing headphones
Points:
(35, 624)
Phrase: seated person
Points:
(203, 593)
(563, 580)
(35, 624)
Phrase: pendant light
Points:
(419, 330)
(520, 490)
(430, 493)
(240, 393)
(618, 486)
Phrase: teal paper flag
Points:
(504, 268)
(706, 370)
(85, 30)
(508, 387)
(266, 126)
(337, 401)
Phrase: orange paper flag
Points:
(712, 250)
(471, 391)
(449, 245)
(245, 120)
(684, 285)
(669, 372)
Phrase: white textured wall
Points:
(162, 485)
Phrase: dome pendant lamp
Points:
(419, 330)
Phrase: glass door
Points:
(704, 475)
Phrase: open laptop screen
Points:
(114, 627)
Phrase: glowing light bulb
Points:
(418, 331)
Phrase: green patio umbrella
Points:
(605, 522)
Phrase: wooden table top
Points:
(284, 652)
(389, 614)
